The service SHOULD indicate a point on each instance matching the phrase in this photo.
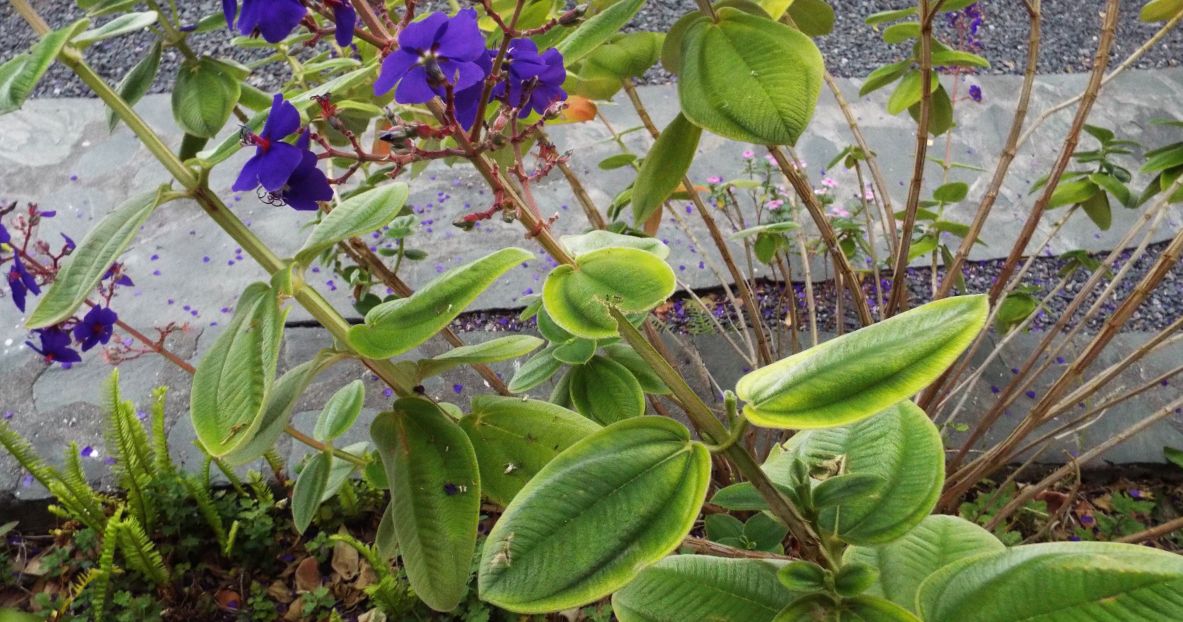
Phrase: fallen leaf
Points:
(307, 576)
(345, 560)
(228, 600)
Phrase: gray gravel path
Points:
(852, 50)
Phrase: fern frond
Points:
(231, 477)
(24, 453)
(76, 589)
(205, 505)
(261, 489)
(84, 497)
(128, 443)
(140, 552)
(164, 463)
(101, 584)
(70, 508)
(275, 462)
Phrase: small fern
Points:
(81, 498)
(128, 442)
(163, 464)
(76, 587)
(205, 505)
(139, 551)
(101, 583)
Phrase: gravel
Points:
(852, 50)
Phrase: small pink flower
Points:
(775, 204)
(840, 212)
(748, 154)
(714, 180)
(770, 159)
(829, 182)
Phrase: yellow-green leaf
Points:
(578, 298)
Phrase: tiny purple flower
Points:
(975, 93)
(433, 51)
(274, 160)
(21, 282)
(345, 18)
(95, 328)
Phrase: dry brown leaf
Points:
(307, 575)
(280, 592)
(296, 610)
(345, 560)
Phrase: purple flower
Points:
(975, 93)
(70, 245)
(433, 51)
(468, 101)
(274, 160)
(116, 272)
(307, 184)
(55, 346)
(95, 328)
(21, 282)
(274, 19)
(345, 18)
(534, 81)
(5, 238)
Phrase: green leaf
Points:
(234, 377)
(340, 411)
(309, 489)
(492, 351)
(85, 267)
(901, 33)
(138, 81)
(664, 167)
(1174, 456)
(1072, 192)
(357, 215)
(619, 160)
(340, 470)
(743, 497)
(957, 58)
(128, 22)
(1066, 581)
(203, 97)
(940, 118)
(901, 446)
(535, 371)
(1098, 210)
(749, 79)
(814, 17)
(845, 489)
(933, 544)
(1013, 310)
(606, 391)
(515, 438)
(650, 382)
(881, 17)
(605, 508)
(803, 576)
(435, 492)
(1160, 10)
(1163, 159)
(578, 298)
(682, 588)
(20, 75)
(281, 400)
(576, 351)
(907, 92)
(861, 373)
(598, 29)
(623, 56)
(395, 327)
(1113, 186)
(953, 192)
(883, 76)
(854, 578)
(595, 240)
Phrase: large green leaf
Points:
(20, 75)
(357, 215)
(749, 78)
(598, 29)
(1057, 582)
(578, 298)
(124, 24)
(138, 81)
(861, 373)
(281, 400)
(900, 445)
(500, 349)
(595, 240)
(814, 17)
(650, 381)
(91, 259)
(234, 377)
(340, 411)
(856, 609)
(606, 391)
(515, 438)
(203, 97)
(435, 493)
(394, 327)
(593, 517)
(933, 544)
(683, 588)
(664, 167)
(309, 489)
